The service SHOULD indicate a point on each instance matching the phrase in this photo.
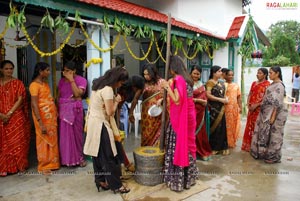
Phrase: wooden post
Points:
(163, 117)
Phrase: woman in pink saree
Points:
(71, 88)
(180, 170)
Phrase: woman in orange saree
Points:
(153, 91)
(45, 120)
(255, 97)
(14, 122)
(233, 110)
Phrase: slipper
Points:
(83, 164)
(271, 162)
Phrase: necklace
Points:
(3, 82)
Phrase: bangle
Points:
(10, 112)
(72, 81)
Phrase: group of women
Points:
(202, 120)
(102, 139)
(53, 150)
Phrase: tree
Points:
(284, 37)
(247, 47)
(282, 51)
(288, 28)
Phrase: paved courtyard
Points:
(234, 177)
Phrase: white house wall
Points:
(132, 65)
(214, 15)
(221, 57)
(10, 51)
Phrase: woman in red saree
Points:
(45, 120)
(14, 122)
(200, 100)
(255, 98)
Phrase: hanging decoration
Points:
(133, 55)
(151, 62)
(2, 34)
(159, 52)
(18, 19)
(48, 54)
(95, 45)
(93, 61)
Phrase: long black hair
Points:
(196, 67)
(40, 66)
(177, 65)
(264, 71)
(153, 73)
(277, 69)
(126, 90)
(70, 65)
(213, 70)
(110, 77)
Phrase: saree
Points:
(151, 126)
(232, 114)
(256, 95)
(202, 144)
(70, 123)
(46, 144)
(267, 138)
(180, 169)
(218, 134)
(15, 134)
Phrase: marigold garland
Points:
(2, 34)
(94, 61)
(48, 54)
(95, 45)
(208, 53)
(152, 62)
(176, 51)
(133, 55)
(189, 57)
(159, 52)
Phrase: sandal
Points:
(122, 190)
(225, 152)
(46, 172)
(271, 162)
(130, 167)
(82, 163)
(103, 185)
(214, 152)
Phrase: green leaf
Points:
(77, 17)
(163, 35)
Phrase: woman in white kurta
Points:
(102, 132)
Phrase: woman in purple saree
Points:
(71, 88)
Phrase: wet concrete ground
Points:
(234, 177)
